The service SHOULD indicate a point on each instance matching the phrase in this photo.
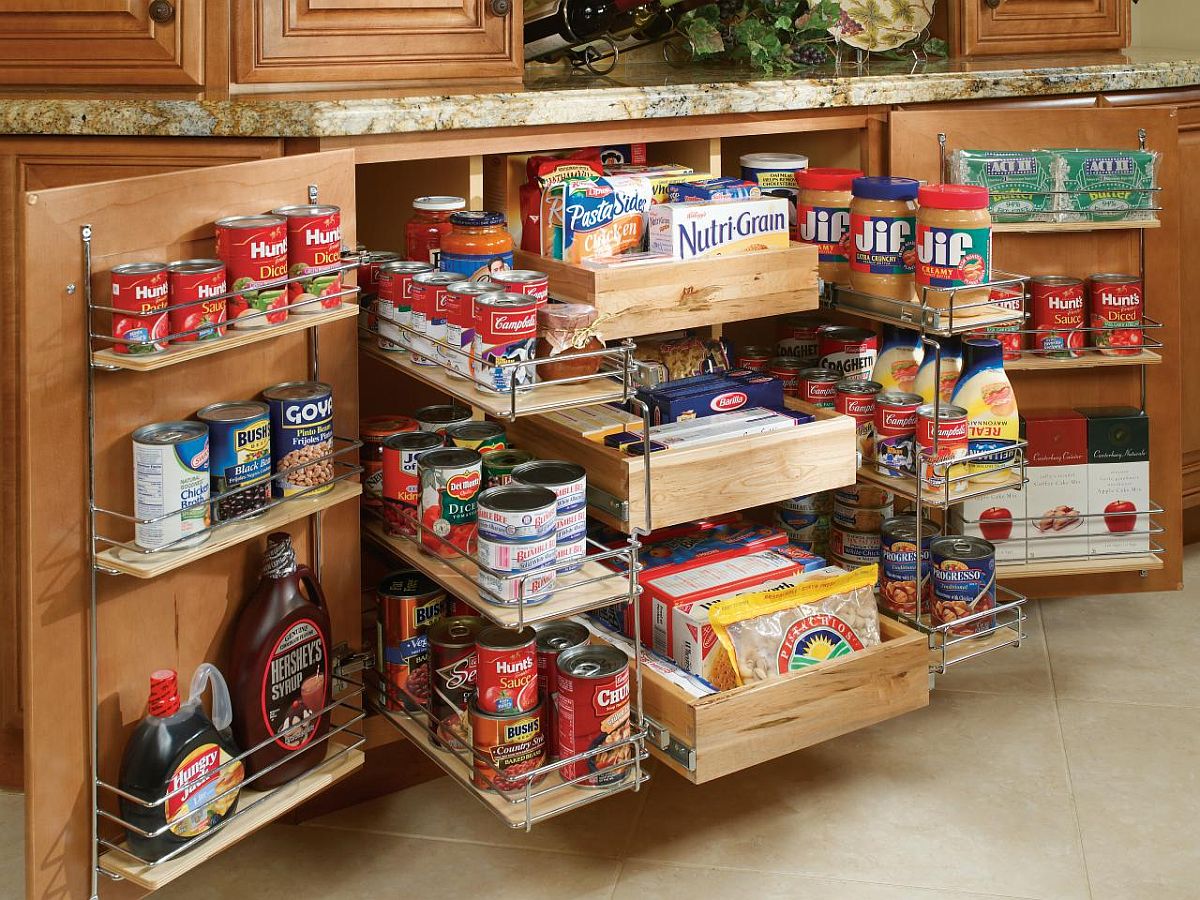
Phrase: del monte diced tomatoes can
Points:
(450, 481)
(506, 681)
(194, 314)
(255, 252)
(593, 714)
(314, 236)
(140, 290)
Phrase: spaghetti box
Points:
(1118, 480)
(718, 396)
(714, 189)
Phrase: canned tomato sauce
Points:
(453, 663)
(754, 358)
(430, 293)
(499, 464)
(895, 432)
(373, 432)
(798, 338)
(141, 292)
(898, 564)
(964, 583)
(449, 481)
(455, 356)
(554, 638)
(239, 437)
(1117, 305)
(593, 714)
(301, 431)
(1010, 334)
(1056, 316)
(193, 284)
(409, 603)
(789, 372)
(394, 304)
(941, 439)
(507, 748)
(440, 417)
(255, 252)
(314, 237)
(401, 485)
(515, 512)
(170, 475)
(848, 351)
(523, 281)
(507, 679)
(486, 437)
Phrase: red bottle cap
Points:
(827, 179)
(953, 196)
(164, 693)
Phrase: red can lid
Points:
(164, 693)
(953, 196)
(827, 179)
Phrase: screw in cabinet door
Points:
(500, 8)
(162, 11)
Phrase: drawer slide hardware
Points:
(672, 746)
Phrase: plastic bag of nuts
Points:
(772, 634)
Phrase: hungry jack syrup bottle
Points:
(281, 674)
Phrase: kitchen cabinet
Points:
(1006, 27)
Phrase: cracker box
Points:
(1056, 464)
(1118, 480)
(712, 190)
(585, 219)
(704, 230)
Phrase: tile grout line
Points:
(617, 880)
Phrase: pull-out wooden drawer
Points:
(708, 737)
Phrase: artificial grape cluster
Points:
(808, 55)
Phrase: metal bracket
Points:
(606, 502)
(347, 663)
(672, 746)
(312, 195)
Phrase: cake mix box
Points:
(1057, 489)
(1118, 480)
(704, 230)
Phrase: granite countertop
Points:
(633, 91)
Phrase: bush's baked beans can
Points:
(856, 398)
(430, 291)
(394, 304)
(301, 431)
(255, 252)
(523, 281)
(442, 416)
(798, 338)
(593, 714)
(787, 370)
(455, 356)
(499, 464)
(409, 603)
(314, 235)
(754, 358)
(847, 350)
(505, 332)
(1117, 304)
(453, 663)
(507, 747)
(898, 564)
(193, 284)
(860, 547)
(239, 449)
(141, 291)
(945, 429)
(449, 483)
(1056, 316)
(515, 512)
(896, 432)
(171, 475)
(964, 583)
(554, 638)
(373, 431)
(486, 437)
(401, 485)
(507, 681)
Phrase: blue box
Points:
(714, 189)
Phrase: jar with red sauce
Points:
(430, 222)
(478, 245)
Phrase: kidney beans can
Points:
(507, 748)
(486, 437)
(946, 429)
(856, 399)
(450, 480)
(517, 512)
(394, 303)
(798, 338)
(409, 603)
(788, 371)
(507, 680)
(301, 431)
(898, 564)
(554, 638)
(896, 432)
(754, 358)
(523, 281)
(373, 431)
(171, 475)
(505, 332)
(193, 285)
(455, 356)
(499, 464)
(1117, 304)
(314, 236)
(239, 447)
(255, 252)
(141, 291)
(1056, 316)
(440, 417)
(401, 486)
(849, 351)
(593, 714)
(964, 583)
(453, 664)
(861, 547)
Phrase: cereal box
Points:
(703, 230)
(585, 219)
(713, 189)
(660, 177)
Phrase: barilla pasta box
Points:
(703, 230)
(660, 177)
(712, 189)
(708, 398)
(585, 219)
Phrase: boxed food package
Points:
(660, 177)
(999, 518)
(613, 155)
(712, 189)
(1057, 489)
(602, 217)
(541, 171)
(1021, 183)
(1105, 185)
(707, 229)
(708, 395)
(1118, 480)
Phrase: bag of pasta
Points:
(773, 633)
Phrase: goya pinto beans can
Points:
(141, 291)
(314, 236)
(373, 432)
(171, 484)
(898, 564)
(394, 303)
(442, 416)
(505, 332)
(453, 663)
(514, 557)
(554, 638)
(593, 714)
(507, 681)
(301, 432)
(515, 512)
(401, 485)
(941, 439)
(964, 583)
(817, 386)
(430, 291)
(455, 355)
(499, 464)
(788, 371)
(896, 432)
(523, 281)
(449, 483)
(856, 399)
(798, 338)
(486, 437)
(1056, 316)
(239, 448)
(860, 547)
(409, 603)
(194, 315)
(1117, 304)
(507, 748)
(754, 358)
(847, 350)
(255, 252)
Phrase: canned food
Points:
(806, 530)
(789, 371)
(499, 464)
(170, 479)
(239, 448)
(394, 304)
(518, 589)
(409, 603)
(430, 291)
(515, 557)
(314, 251)
(193, 314)
(369, 264)
(449, 481)
(567, 480)
(898, 564)
(571, 526)
(1117, 304)
(817, 386)
(255, 252)
(485, 437)
(593, 714)
(301, 431)
(455, 354)
(570, 554)
(554, 638)
(141, 292)
(373, 432)
(440, 417)
(453, 663)
(401, 486)
(507, 680)
(853, 517)
(964, 583)
(856, 399)
(847, 350)
(507, 748)
(1056, 316)
(896, 432)
(517, 512)
(754, 358)
(860, 547)
(523, 281)
(1010, 334)
(945, 430)
(863, 493)
(798, 337)
(505, 332)
(816, 504)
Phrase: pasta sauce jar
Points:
(477, 246)
(883, 227)
(954, 247)
(823, 218)
(430, 222)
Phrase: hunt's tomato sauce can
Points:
(453, 665)
(314, 250)
(506, 683)
(140, 291)
(449, 482)
(507, 748)
(1056, 313)
(409, 603)
(553, 639)
(194, 282)
(1117, 306)
(401, 485)
(787, 370)
(818, 387)
(593, 714)
(255, 252)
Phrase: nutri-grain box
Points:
(1057, 490)
(703, 230)
(1118, 480)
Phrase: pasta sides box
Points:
(586, 219)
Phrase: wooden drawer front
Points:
(100, 42)
(1039, 26)
(663, 297)
(737, 729)
(432, 41)
(704, 481)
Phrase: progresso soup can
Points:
(239, 437)
(898, 564)
(170, 483)
(964, 584)
(301, 434)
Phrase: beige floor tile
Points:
(968, 795)
(1022, 671)
(1133, 769)
(12, 842)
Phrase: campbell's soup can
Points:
(787, 370)
(369, 263)
(798, 337)
(141, 291)
(409, 603)
(941, 439)
(453, 664)
(593, 714)
(314, 252)
(847, 350)
(449, 483)
(754, 358)
(373, 431)
(818, 386)
(896, 432)
(455, 355)
(856, 398)
(1056, 316)
(430, 291)
(553, 639)
(194, 313)
(400, 484)
(1117, 305)
(505, 333)
(964, 584)
(255, 252)
(394, 303)
(506, 683)
(523, 281)
(898, 564)
(507, 748)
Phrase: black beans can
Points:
(239, 446)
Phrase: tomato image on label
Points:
(814, 640)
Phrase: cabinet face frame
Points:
(1038, 26)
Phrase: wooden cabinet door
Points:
(430, 41)
(984, 27)
(100, 42)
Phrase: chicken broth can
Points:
(171, 475)
(255, 252)
(141, 292)
(593, 714)
(314, 251)
(193, 284)
(301, 432)
(453, 665)
(239, 435)
(964, 583)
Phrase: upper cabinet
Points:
(144, 43)
(991, 27)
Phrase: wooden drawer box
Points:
(689, 484)
(708, 737)
(667, 296)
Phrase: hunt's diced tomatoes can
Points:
(314, 250)
(1056, 312)
(194, 315)
(1116, 314)
(140, 291)
(255, 252)
(506, 679)
(593, 714)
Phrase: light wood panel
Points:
(1037, 26)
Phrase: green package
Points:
(1021, 182)
(1106, 185)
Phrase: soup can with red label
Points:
(430, 291)
(856, 398)
(194, 315)
(1117, 304)
(818, 387)
(593, 714)
(453, 663)
(314, 236)
(896, 432)
(1056, 316)
(941, 439)
(506, 683)
(798, 338)
(847, 350)
(140, 291)
(393, 305)
(787, 370)
(455, 355)
(754, 358)
(507, 748)
(522, 281)
(255, 252)
(553, 639)
(400, 483)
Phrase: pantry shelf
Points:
(1084, 565)
(938, 497)
(1064, 227)
(1030, 363)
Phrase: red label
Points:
(1117, 308)
(593, 712)
(895, 420)
(506, 680)
(951, 431)
(295, 684)
(191, 310)
(253, 256)
(464, 486)
(144, 295)
(860, 406)
(497, 325)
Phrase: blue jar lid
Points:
(475, 218)
(885, 187)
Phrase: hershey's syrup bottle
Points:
(281, 677)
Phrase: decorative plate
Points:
(881, 24)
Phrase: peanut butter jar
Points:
(883, 225)
(823, 218)
(954, 248)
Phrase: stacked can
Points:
(430, 292)
(400, 486)
(455, 353)
(369, 263)
(394, 302)
(807, 520)
(858, 515)
(498, 465)
(554, 638)
(798, 338)
(568, 481)
(517, 542)
(441, 417)
(856, 399)
(506, 715)
(593, 715)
